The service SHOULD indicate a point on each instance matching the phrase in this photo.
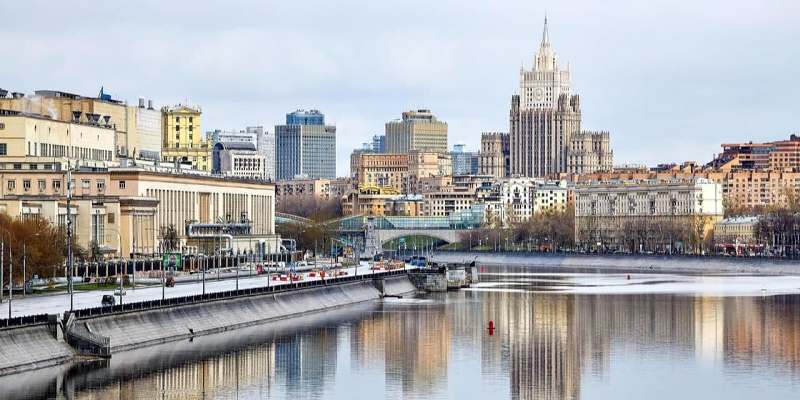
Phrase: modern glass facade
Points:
(379, 144)
(464, 162)
(303, 117)
(465, 219)
(305, 146)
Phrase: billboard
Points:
(172, 261)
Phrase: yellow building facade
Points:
(183, 139)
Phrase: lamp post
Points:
(10, 281)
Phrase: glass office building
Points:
(305, 146)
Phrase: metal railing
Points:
(230, 294)
(27, 320)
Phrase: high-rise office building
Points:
(544, 116)
(464, 162)
(305, 146)
(379, 144)
(417, 130)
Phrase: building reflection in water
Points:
(544, 345)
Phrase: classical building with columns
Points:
(125, 210)
(544, 118)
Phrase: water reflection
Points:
(546, 346)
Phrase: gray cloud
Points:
(670, 80)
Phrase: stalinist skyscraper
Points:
(544, 116)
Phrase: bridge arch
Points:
(445, 235)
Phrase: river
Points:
(557, 336)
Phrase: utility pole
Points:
(10, 281)
(69, 236)
(2, 251)
(24, 267)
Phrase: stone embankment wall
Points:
(31, 347)
(133, 330)
(674, 264)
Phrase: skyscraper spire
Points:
(545, 35)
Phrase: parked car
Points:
(108, 300)
(119, 292)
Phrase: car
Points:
(119, 292)
(108, 300)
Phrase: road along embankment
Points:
(627, 263)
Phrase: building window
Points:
(177, 128)
(42, 185)
(3, 149)
(190, 120)
(101, 185)
(122, 184)
(17, 166)
(85, 184)
(56, 185)
(177, 119)
(98, 228)
(26, 184)
(12, 185)
(34, 166)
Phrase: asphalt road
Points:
(58, 303)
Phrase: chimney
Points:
(141, 102)
(3, 93)
(150, 104)
(76, 116)
(17, 95)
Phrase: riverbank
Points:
(626, 263)
(33, 347)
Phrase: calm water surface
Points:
(557, 336)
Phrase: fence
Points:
(27, 320)
(215, 296)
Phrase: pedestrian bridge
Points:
(370, 233)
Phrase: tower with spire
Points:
(544, 116)
(541, 86)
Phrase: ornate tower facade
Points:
(543, 117)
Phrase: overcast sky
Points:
(670, 80)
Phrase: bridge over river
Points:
(367, 234)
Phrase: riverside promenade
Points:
(48, 339)
(625, 263)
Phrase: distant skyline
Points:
(671, 82)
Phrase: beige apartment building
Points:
(400, 171)
(133, 205)
(35, 142)
(741, 189)
(137, 129)
(417, 130)
(646, 214)
(381, 202)
(442, 204)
